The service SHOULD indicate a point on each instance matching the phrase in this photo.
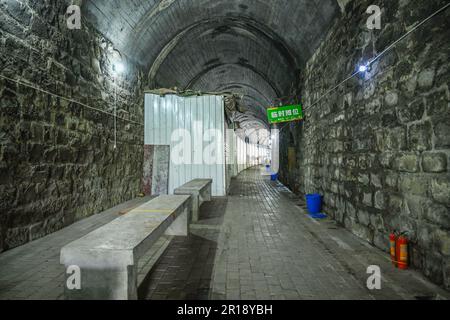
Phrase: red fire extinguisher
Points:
(392, 244)
(402, 252)
(399, 250)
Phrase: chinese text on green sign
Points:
(285, 114)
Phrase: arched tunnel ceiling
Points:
(255, 47)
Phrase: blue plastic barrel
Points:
(274, 177)
(314, 203)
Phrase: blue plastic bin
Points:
(314, 203)
(319, 216)
(274, 177)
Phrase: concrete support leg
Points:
(195, 207)
(207, 197)
(103, 283)
(180, 227)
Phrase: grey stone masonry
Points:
(378, 147)
(58, 163)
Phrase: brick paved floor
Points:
(257, 243)
(185, 270)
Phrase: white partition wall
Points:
(195, 116)
(242, 155)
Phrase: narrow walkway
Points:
(257, 243)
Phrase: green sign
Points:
(285, 114)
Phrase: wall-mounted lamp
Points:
(363, 68)
(118, 68)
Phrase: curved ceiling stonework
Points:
(255, 48)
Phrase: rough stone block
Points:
(440, 189)
(375, 180)
(436, 214)
(447, 273)
(396, 138)
(392, 219)
(19, 11)
(389, 119)
(18, 50)
(391, 98)
(395, 203)
(364, 218)
(334, 187)
(438, 104)
(8, 25)
(426, 78)
(408, 85)
(387, 159)
(391, 139)
(407, 162)
(413, 206)
(373, 107)
(433, 266)
(376, 221)
(338, 146)
(16, 237)
(364, 179)
(39, 28)
(434, 162)
(367, 199)
(404, 68)
(330, 200)
(420, 136)
(414, 184)
(380, 200)
(442, 133)
(350, 210)
(411, 112)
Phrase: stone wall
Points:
(378, 148)
(57, 158)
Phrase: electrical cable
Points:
(380, 55)
(306, 108)
(67, 99)
(408, 33)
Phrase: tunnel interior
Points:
(216, 46)
(377, 147)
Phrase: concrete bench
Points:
(108, 257)
(200, 190)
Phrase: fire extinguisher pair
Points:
(399, 250)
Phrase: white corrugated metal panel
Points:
(164, 115)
